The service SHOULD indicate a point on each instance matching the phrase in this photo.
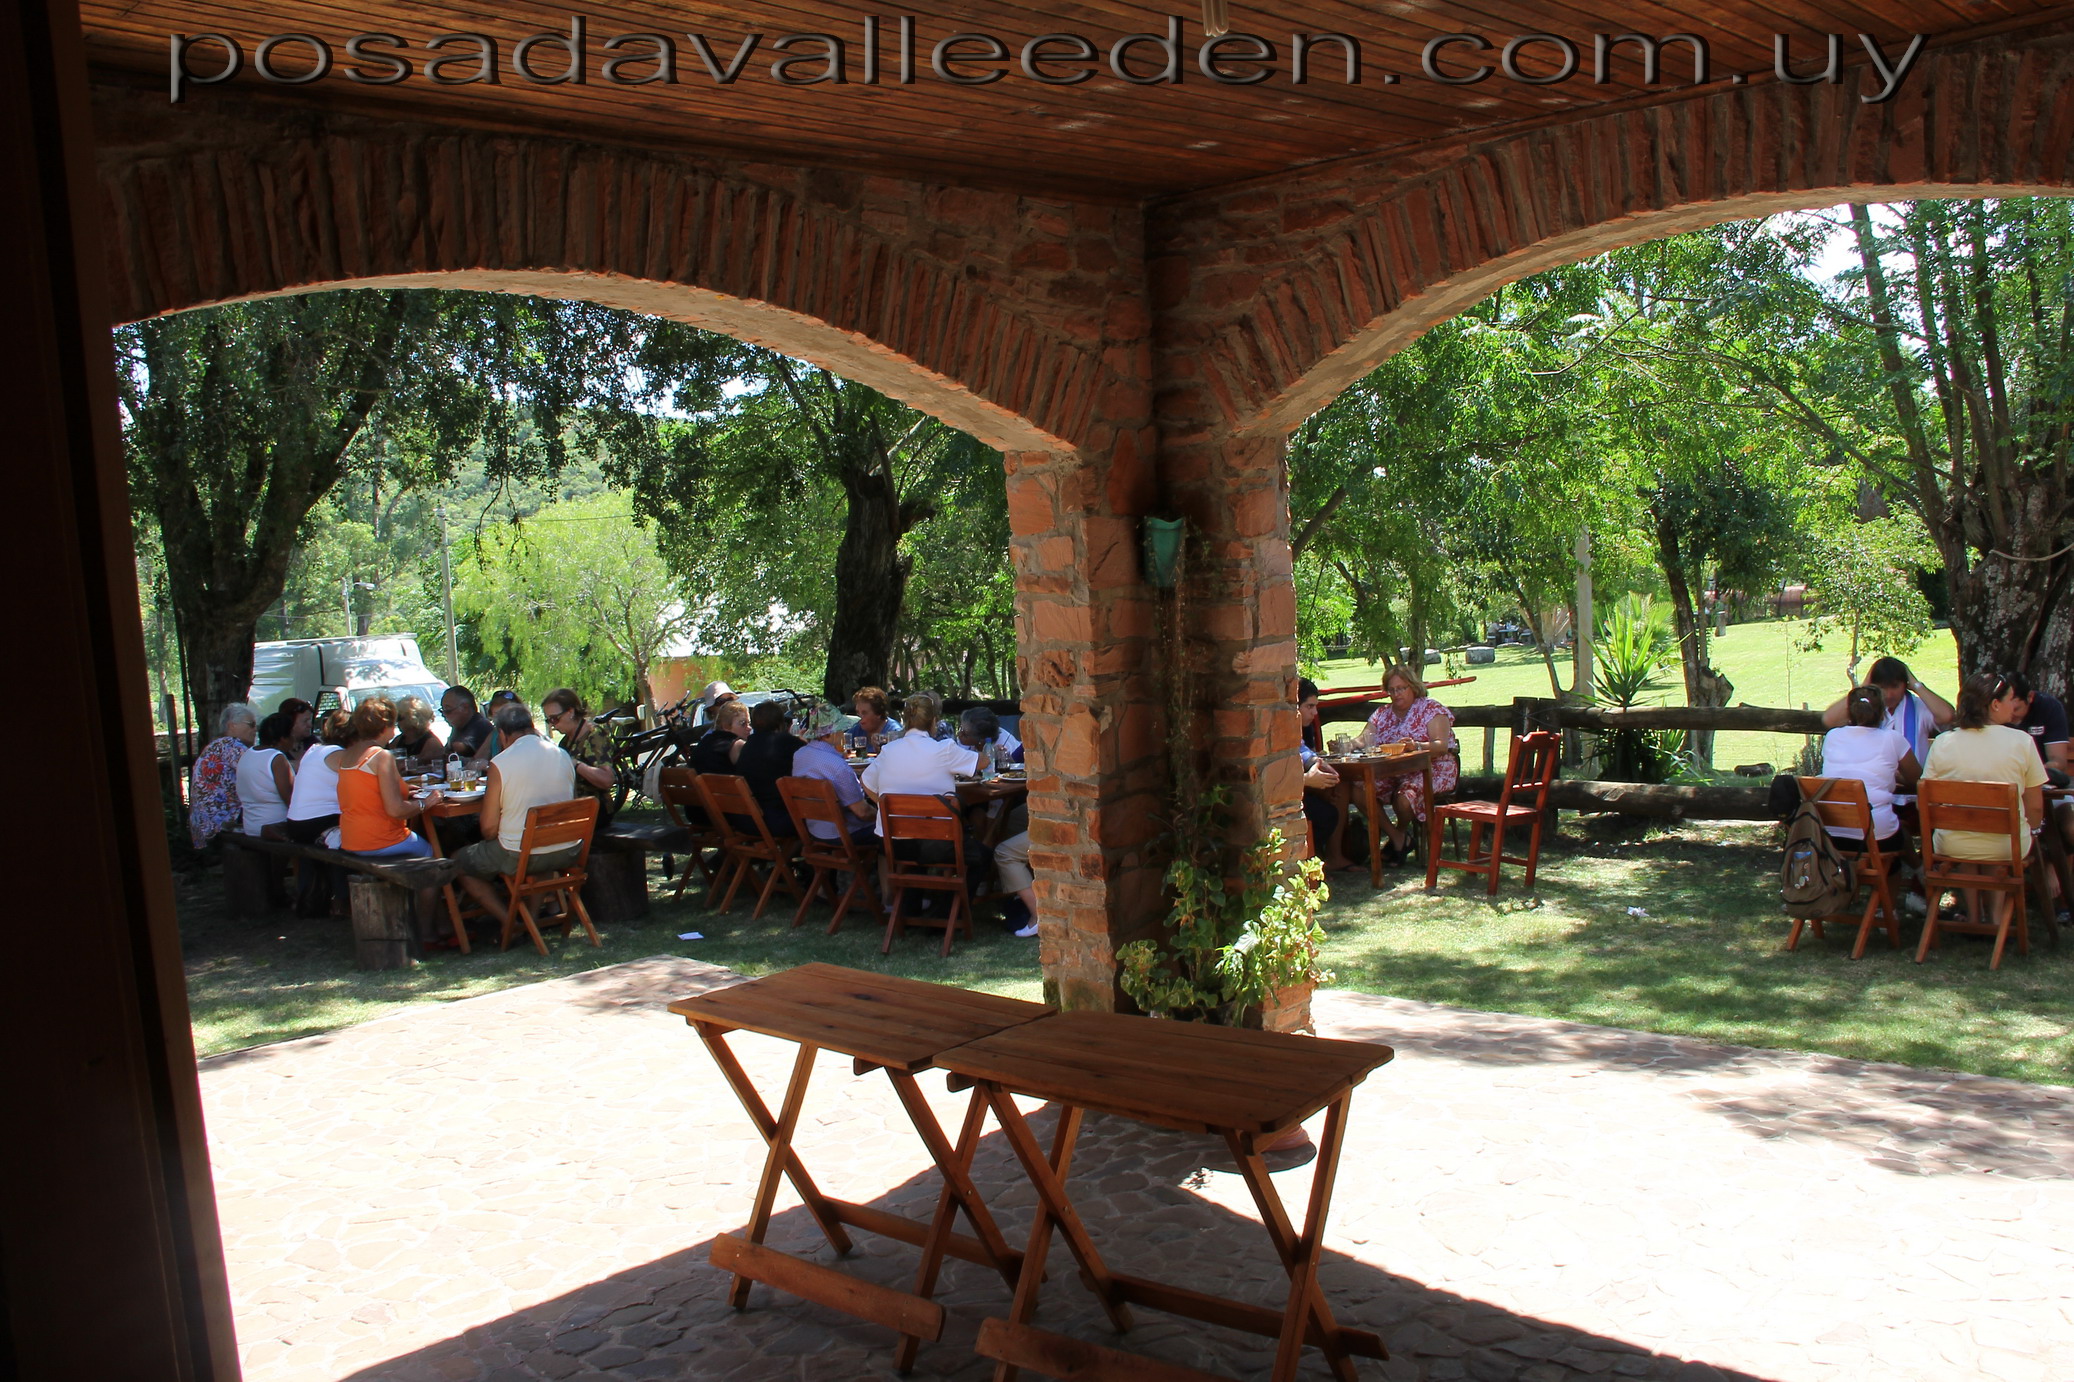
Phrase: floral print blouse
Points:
(212, 792)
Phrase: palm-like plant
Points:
(1633, 648)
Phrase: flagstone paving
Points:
(524, 1185)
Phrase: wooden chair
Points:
(1527, 775)
(553, 826)
(812, 800)
(1987, 808)
(749, 851)
(679, 790)
(914, 818)
(1841, 801)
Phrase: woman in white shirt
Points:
(1880, 758)
(313, 810)
(265, 780)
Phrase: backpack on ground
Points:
(1816, 880)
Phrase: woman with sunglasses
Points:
(587, 743)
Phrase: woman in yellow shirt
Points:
(1983, 746)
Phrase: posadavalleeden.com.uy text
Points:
(892, 52)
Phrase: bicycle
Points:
(638, 752)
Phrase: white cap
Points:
(714, 691)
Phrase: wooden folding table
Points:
(881, 1022)
(1247, 1087)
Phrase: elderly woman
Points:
(212, 790)
(415, 737)
(874, 728)
(1410, 717)
(587, 744)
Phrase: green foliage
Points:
(1633, 648)
(1227, 942)
(1864, 586)
(577, 595)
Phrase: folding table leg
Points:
(767, 1127)
(958, 1191)
(1048, 1176)
(1303, 1263)
(1274, 1216)
(775, 1162)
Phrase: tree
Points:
(1864, 586)
(576, 595)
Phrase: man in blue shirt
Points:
(823, 758)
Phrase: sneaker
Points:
(1027, 931)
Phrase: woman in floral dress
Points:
(212, 791)
(1409, 717)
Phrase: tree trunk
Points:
(2013, 616)
(1703, 685)
(870, 583)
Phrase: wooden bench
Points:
(617, 889)
(394, 901)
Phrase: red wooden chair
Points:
(1840, 801)
(729, 803)
(1527, 775)
(913, 818)
(1987, 808)
(553, 826)
(809, 799)
(679, 790)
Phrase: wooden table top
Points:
(1391, 765)
(899, 1023)
(1174, 1074)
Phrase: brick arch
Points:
(798, 268)
(1283, 296)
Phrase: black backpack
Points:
(1815, 880)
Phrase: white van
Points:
(381, 665)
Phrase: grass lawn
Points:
(1705, 961)
(1762, 659)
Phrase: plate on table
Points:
(466, 794)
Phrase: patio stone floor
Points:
(523, 1186)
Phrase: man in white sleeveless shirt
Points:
(527, 772)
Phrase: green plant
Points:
(1237, 929)
(1633, 648)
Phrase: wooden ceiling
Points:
(1104, 138)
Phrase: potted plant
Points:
(1241, 933)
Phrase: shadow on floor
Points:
(670, 1319)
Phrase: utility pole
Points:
(446, 587)
(345, 599)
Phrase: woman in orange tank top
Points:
(372, 807)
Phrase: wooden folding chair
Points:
(811, 800)
(1531, 768)
(729, 803)
(1841, 801)
(680, 797)
(918, 819)
(1986, 808)
(553, 826)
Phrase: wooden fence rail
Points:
(1762, 718)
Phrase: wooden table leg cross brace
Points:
(1247, 1087)
(896, 1025)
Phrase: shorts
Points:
(490, 859)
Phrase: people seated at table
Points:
(1410, 717)
(1984, 745)
(767, 756)
(469, 732)
(1012, 867)
(980, 728)
(313, 808)
(1320, 780)
(266, 782)
(212, 785)
(875, 726)
(588, 745)
(526, 772)
(1880, 758)
(821, 757)
(374, 807)
(721, 745)
(415, 737)
(1909, 707)
(921, 764)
